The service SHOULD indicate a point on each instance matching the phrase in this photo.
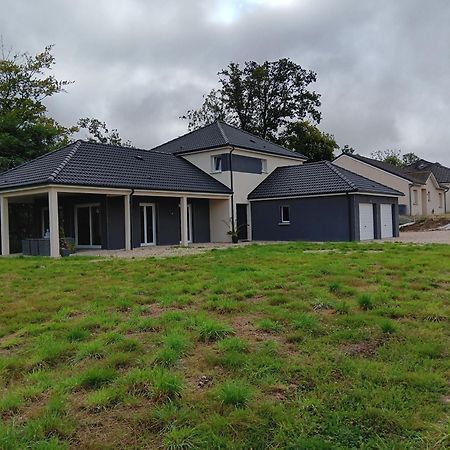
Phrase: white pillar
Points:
(127, 214)
(54, 223)
(4, 225)
(184, 220)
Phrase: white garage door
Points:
(366, 221)
(386, 221)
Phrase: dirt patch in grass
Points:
(428, 224)
(364, 349)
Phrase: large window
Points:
(148, 224)
(88, 227)
(285, 215)
(217, 163)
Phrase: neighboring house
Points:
(191, 189)
(423, 194)
(440, 172)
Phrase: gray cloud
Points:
(383, 67)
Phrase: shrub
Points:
(365, 302)
(234, 393)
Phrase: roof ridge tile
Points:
(341, 175)
(57, 171)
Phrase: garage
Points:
(366, 224)
(322, 202)
(386, 221)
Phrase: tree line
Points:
(272, 100)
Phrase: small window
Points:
(217, 163)
(264, 165)
(415, 197)
(285, 215)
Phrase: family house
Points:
(423, 193)
(191, 189)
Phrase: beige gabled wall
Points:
(378, 175)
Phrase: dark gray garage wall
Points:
(376, 202)
(312, 219)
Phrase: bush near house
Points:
(326, 346)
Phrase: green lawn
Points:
(297, 346)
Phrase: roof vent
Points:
(139, 157)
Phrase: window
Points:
(264, 165)
(415, 197)
(217, 164)
(285, 215)
(441, 200)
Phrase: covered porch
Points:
(55, 216)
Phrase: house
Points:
(190, 189)
(423, 193)
(440, 172)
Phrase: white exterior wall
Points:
(219, 220)
(243, 182)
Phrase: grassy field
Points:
(296, 346)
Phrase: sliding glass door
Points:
(88, 226)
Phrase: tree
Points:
(26, 130)
(260, 98)
(347, 149)
(305, 138)
(395, 157)
(99, 132)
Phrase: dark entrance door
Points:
(242, 225)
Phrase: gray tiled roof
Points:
(220, 134)
(441, 173)
(90, 164)
(316, 178)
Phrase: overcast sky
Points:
(383, 65)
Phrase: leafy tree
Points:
(395, 157)
(305, 138)
(347, 149)
(260, 98)
(26, 130)
(409, 158)
(99, 132)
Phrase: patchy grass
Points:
(302, 346)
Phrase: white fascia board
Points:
(322, 195)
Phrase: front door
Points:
(88, 226)
(242, 224)
(148, 224)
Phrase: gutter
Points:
(131, 218)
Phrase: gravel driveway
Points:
(425, 237)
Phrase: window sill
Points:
(217, 171)
(284, 223)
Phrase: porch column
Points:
(4, 225)
(127, 210)
(184, 220)
(54, 223)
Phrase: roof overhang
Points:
(74, 189)
(331, 194)
(230, 147)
